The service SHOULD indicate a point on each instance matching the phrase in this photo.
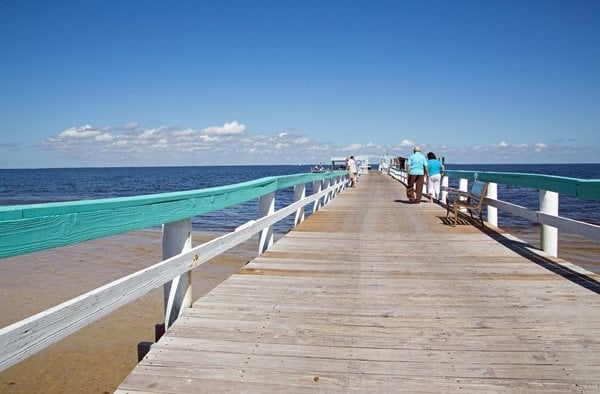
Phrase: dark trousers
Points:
(415, 184)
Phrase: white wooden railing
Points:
(549, 187)
(20, 227)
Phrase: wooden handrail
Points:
(588, 189)
(35, 227)
(22, 339)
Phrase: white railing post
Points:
(338, 185)
(492, 212)
(443, 191)
(332, 185)
(299, 194)
(463, 185)
(266, 207)
(549, 234)
(316, 189)
(177, 238)
(334, 190)
(327, 196)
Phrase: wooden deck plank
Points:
(356, 300)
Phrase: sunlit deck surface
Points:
(373, 294)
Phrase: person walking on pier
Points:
(416, 168)
(352, 171)
(435, 170)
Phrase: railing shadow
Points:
(461, 221)
(525, 250)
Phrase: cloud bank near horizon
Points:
(232, 143)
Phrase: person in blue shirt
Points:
(416, 168)
(434, 179)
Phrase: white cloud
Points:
(406, 144)
(352, 147)
(185, 133)
(161, 143)
(103, 137)
(86, 131)
(207, 138)
(231, 144)
(131, 126)
(301, 140)
(233, 127)
(147, 134)
(318, 149)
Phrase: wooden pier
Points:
(371, 294)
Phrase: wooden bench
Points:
(470, 201)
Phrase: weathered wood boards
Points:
(370, 294)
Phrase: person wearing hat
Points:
(416, 168)
(351, 164)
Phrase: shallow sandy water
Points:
(576, 249)
(97, 358)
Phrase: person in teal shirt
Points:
(416, 167)
(434, 179)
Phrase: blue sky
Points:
(118, 83)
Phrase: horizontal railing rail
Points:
(30, 228)
(588, 189)
(549, 187)
(78, 221)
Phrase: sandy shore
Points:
(97, 358)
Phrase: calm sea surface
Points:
(28, 186)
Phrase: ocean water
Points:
(570, 207)
(29, 186)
